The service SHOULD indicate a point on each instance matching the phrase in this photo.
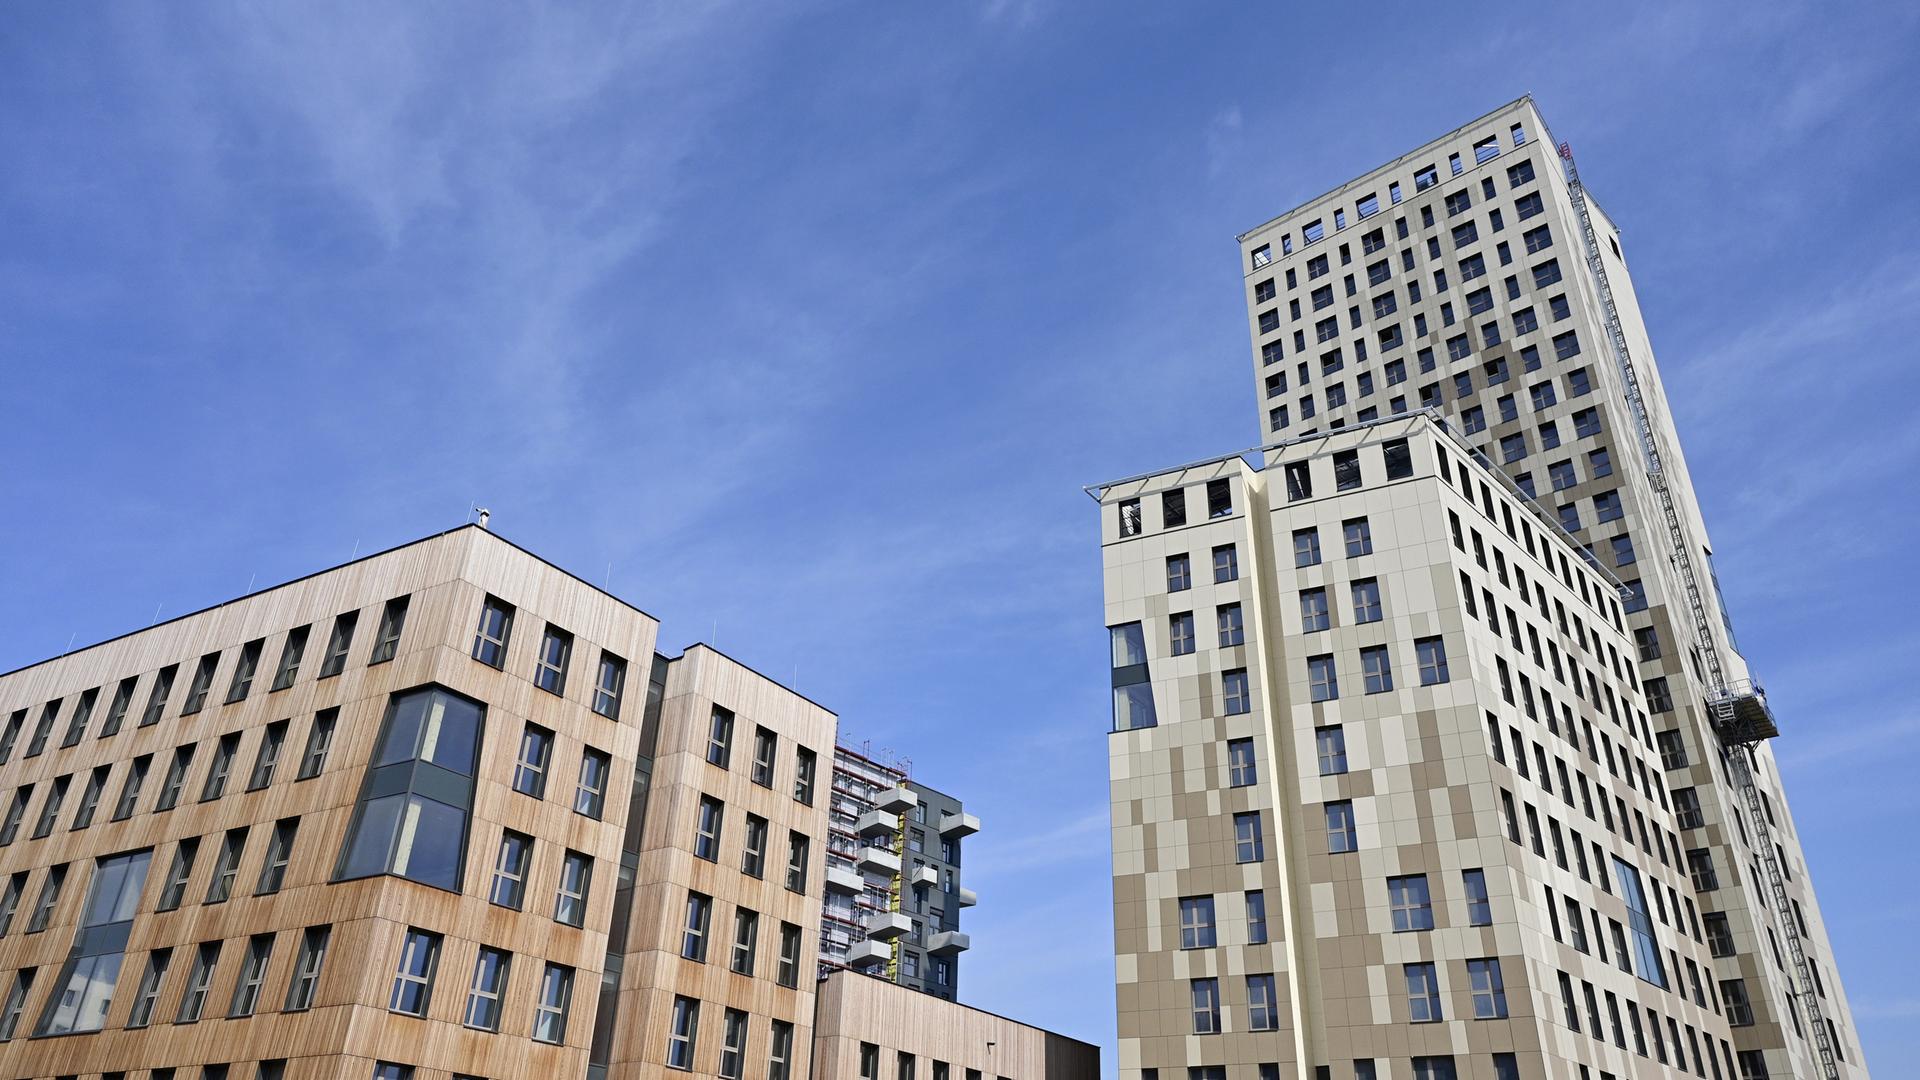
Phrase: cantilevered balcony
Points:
(923, 875)
(955, 826)
(877, 823)
(887, 925)
(841, 879)
(896, 799)
(869, 953)
(968, 897)
(879, 861)
(947, 943)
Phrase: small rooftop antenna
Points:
(484, 515)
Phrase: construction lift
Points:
(1741, 718)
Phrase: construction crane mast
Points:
(1741, 718)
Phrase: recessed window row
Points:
(1424, 178)
(1662, 1043)
(268, 756)
(761, 767)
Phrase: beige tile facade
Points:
(1527, 755)
(1407, 296)
(871, 1029)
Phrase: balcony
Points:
(968, 897)
(875, 823)
(869, 953)
(880, 861)
(955, 826)
(840, 879)
(896, 799)
(924, 875)
(948, 943)
(887, 925)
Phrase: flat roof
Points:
(1523, 99)
(329, 570)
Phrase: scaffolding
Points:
(1741, 717)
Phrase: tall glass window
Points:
(84, 990)
(1645, 948)
(414, 804)
(1132, 693)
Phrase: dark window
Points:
(393, 620)
(496, 627)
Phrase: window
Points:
(273, 872)
(550, 1011)
(1236, 697)
(1399, 459)
(156, 699)
(1196, 923)
(1646, 948)
(590, 797)
(706, 835)
(319, 741)
(1411, 902)
(681, 1032)
(1359, 537)
(1256, 917)
(1262, 255)
(305, 984)
(1306, 547)
(290, 654)
(1567, 345)
(227, 866)
(797, 849)
(267, 758)
(733, 1044)
(413, 978)
(1299, 480)
(1606, 507)
(90, 798)
(1263, 1009)
(788, 971)
(16, 1003)
(1179, 573)
(1173, 508)
(764, 746)
(1130, 517)
(199, 980)
(1700, 869)
(805, 765)
(423, 764)
(1322, 680)
(147, 993)
(83, 991)
(1241, 771)
(746, 939)
(1231, 632)
(1561, 475)
(224, 752)
(393, 619)
(1226, 564)
(483, 995)
(1479, 908)
(496, 627)
(576, 878)
(1313, 610)
(1346, 468)
(509, 886)
(173, 889)
(1248, 843)
(530, 769)
(753, 856)
(1377, 669)
(1719, 934)
(1432, 653)
(1341, 835)
(1423, 994)
(1180, 633)
(779, 1050)
(1489, 993)
(1366, 600)
(550, 666)
(1206, 1006)
(50, 806)
(382, 1070)
(338, 643)
(693, 928)
(253, 972)
(1739, 1008)
(1330, 745)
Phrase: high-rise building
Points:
(1386, 798)
(893, 896)
(1433, 756)
(444, 811)
(1475, 275)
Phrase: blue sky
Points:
(803, 324)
